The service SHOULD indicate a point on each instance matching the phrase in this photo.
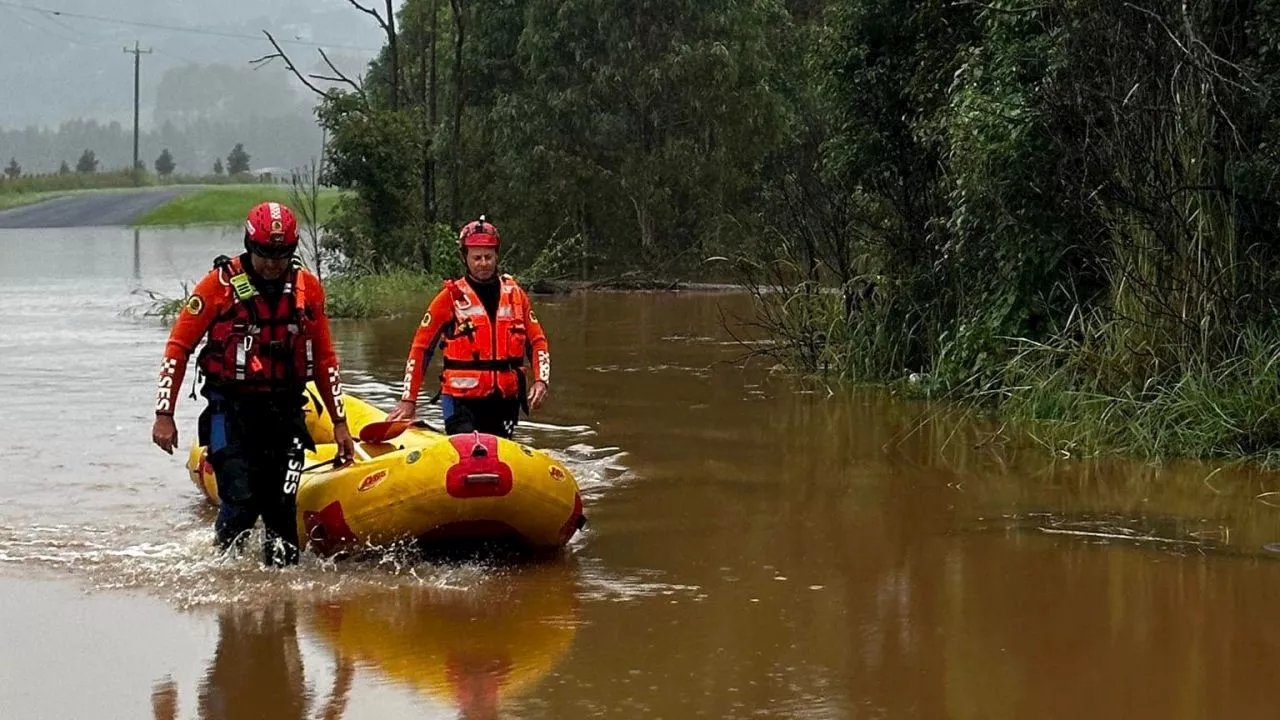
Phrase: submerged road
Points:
(87, 209)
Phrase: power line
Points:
(42, 28)
(175, 28)
(64, 26)
(79, 36)
(88, 37)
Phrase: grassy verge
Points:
(227, 205)
(18, 199)
(16, 195)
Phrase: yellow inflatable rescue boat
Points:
(411, 483)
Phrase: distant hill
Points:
(63, 68)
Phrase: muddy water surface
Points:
(757, 547)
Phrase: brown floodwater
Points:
(757, 546)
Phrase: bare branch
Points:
(1192, 58)
(341, 77)
(370, 11)
(288, 65)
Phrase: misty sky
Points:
(59, 68)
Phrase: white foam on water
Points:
(170, 549)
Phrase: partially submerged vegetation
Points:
(379, 295)
(1223, 408)
(347, 296)
(1063, 216)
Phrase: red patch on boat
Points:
(327, 530)
(478, 472)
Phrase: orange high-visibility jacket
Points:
(251, 344)
(482, 356)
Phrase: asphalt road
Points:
(119, 207)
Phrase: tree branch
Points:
(328, 78)
(1192, 59)
(376, 15)
(287, 63)
(341, 77)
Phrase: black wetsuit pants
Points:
(256, 447)
(493, 415)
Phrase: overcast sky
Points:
(62, 67)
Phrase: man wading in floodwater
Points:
(488, 329)
(266, 335)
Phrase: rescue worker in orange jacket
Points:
(488, 329)
(266, 334)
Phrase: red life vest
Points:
(257, 344)
(483, 357)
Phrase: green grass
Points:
(1224, 409)
(346, 297)
(18, 199)
(366, 296)
(227, 205)
(158, 305)
(1087, 392)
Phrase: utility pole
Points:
(137, 57)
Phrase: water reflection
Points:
(256, 669)
(474, 648)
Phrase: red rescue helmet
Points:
(479, 233)
(271, 230)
